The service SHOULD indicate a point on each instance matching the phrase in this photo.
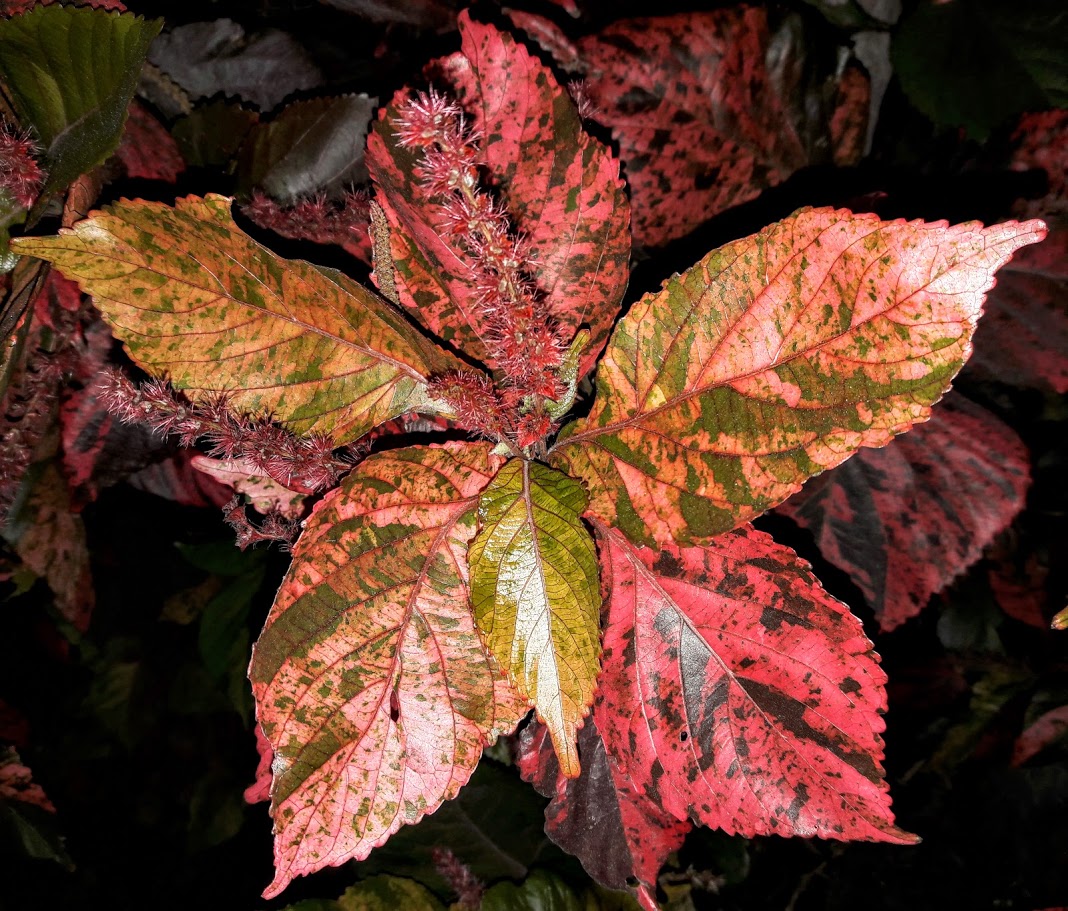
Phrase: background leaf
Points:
(904, 521)
(71, 73)
(774, 358)
(740, 695)
(214, 311)
(208, 58)
(311, 146)
(974, 63)
(535, 591)
(371, 681)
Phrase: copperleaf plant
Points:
(600, 569)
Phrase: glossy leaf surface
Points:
(371, 681)
(740, 695)
(536, 595)
(774, 358)
(197, 300)
(904, 521)
(561, 187)
(71, 73)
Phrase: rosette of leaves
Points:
(683, 667)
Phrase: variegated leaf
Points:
(774, 358)
(371, 681)
(197, 300)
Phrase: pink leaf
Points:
(740, 695)
(906, 520)
(561, 187)
(617, 833)
(371, 682)
(1023, 338)
(266, 495)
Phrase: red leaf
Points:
(1041, 141)
(260, 789)
(737, 693)
(1020, 591)
(617, 834)
(691, 102)
(370, 679)
(16, 782)
(906, 520)
(176, 479)
(1045, 731)
(1023, 337)
(561, 187)
(147, 150)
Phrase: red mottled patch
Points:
(260, 789)
(176, 479)
(617, 833)
(906, 520)
(147, 150)
(737, 693)
(692, 104)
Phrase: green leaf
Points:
(197, 300)
(975, 63)
(211, 135)
(537, 599)
(543, 891)
(388, 893)
(774, 358)
(310, 146)
(71, 73)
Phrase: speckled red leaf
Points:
(737, 693)
(371, 682)
(619, 835)
(906, 520)
(1023, 339)
(561, 186)
(147, 150)
(691, 102)
(774, 358)
(1041, 141)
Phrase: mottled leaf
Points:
(208, 58)
(737, 693)
(311, 146)
(196, 299)
(974, 63)
(619, 835)
(371, 681)
(1023, 338)
(265, 494)
(561, 187)
(774, 358)
(16, 782)
(536, 595)
(904, 521)
(71, 73)
(147, 151)
(1040, 141)
(690, 100)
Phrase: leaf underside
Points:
(738, 694)
(198, 301)
(906, 520)
(370, 679)
(773, 359)
(536, 594)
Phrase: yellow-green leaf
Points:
(535, 590)
(197, 300)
